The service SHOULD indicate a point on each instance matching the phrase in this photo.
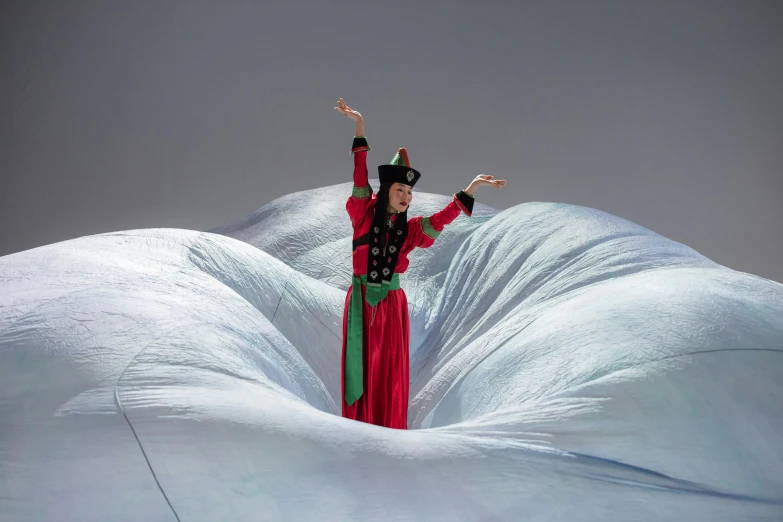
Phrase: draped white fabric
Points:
(566, 365)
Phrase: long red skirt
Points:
(386, 366)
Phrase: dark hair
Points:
(379, 220)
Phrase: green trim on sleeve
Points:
(427, 228)
(361, 192)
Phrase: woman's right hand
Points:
(343, 108)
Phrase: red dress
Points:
(386, 336)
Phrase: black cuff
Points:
(466, 201)
(359, 143)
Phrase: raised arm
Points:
(361, 195)
(427, 229)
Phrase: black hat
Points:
(399, 170)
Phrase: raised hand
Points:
(343, 108)
(484, 179)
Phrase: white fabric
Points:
(566, 365)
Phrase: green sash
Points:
(353, 349)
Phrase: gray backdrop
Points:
(122, 115)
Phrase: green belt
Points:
(353, 350)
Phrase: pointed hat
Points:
(399, 170)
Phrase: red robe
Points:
(385, 343)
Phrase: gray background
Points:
(122, 115)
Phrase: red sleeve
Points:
(426, 230)
(361, 196)
(360, 169)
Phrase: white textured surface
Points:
(566, 365)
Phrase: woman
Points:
(376, 331)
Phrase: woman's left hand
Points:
(484, 179)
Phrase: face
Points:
(400, 196)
